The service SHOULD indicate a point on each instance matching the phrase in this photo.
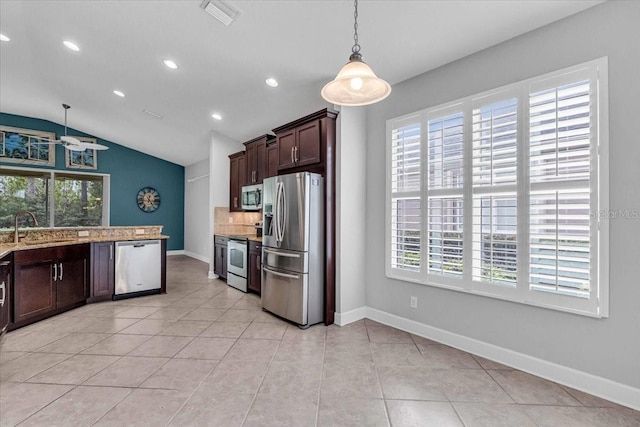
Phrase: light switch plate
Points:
(139, 230)
(83, 233)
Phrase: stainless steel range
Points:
(237, 260)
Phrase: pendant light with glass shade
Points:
(356, 84)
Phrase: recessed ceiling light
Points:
(74, 47)
(4, 38)
(119, 93)
(271, 82)
(216, 116)
(169, 63)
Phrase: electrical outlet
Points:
(83, 233)
(414, 302)
(139, 230)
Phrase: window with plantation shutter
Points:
(495, 146)
(444, 194)
(503, 193)
(563, 191)
(406, 204)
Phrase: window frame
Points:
(597, 305)
(106, 190)
(51, 136)
(69, 160)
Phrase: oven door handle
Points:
(275, 273)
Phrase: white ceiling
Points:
(222, 69)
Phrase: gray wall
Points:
(608, 348)
(196, 211)
(219, 150)
(351, 197)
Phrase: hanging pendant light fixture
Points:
(356, 83)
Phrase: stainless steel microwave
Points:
(252, 197)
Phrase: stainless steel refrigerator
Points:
(293, 247)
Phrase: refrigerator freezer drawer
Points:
(281, 259)
(285, 294)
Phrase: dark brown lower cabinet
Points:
(220, 256)
(5, 291)
(102, 271)
(47, 281)
(72, 285)
(255, 263)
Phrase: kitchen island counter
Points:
(39, 238)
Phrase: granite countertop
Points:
(52, 237)
(251, 237)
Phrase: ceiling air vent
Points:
(221, 10)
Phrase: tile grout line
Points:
(255, 395)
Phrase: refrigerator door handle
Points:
(276, 218)
(280, 212)
(275, 273)
(283, 211)
(282, 254)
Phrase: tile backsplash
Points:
(225, 222)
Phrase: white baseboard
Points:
(610, 390)
(351, 316)
(212, 275)
(197, 256)
(170, 253)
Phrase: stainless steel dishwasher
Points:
(138, 268)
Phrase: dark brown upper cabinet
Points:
(272, 159)
(303, 143)
(256, 158)
(237, 178)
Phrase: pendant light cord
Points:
(356, 47)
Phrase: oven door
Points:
(237, 258)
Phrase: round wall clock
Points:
(148, 199)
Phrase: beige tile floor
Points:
(205, 354)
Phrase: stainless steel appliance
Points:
(252, 197)
(237, 252)
(293, 247)
(138, 268)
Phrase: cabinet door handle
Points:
(110, 252)
(235, 202)
(258, 262)
(4, 293)
(292, 161)
(295, 154)
(55, 272)
(60, 278)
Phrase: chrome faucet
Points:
(16, 235)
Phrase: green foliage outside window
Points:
(77, 200)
